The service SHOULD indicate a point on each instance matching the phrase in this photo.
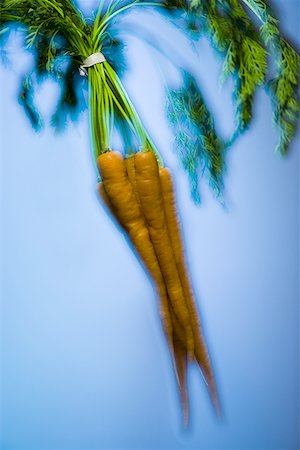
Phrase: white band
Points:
(95, 58)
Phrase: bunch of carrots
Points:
(140, 195)
(138, 190)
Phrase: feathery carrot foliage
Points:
(284, 87)
(244, 46)
(197, 142)
(61, 38)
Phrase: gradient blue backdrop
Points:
(84, 361)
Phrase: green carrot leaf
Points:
(197, 143)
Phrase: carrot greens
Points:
(197, 142)
(284, 87)
(62, 38)
(249, 51)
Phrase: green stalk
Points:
(131, 111)
(97, 31)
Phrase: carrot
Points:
(179, 341)
(148, 188)
(118, 191)
(171, 215)
(130, 167)
(105, 199)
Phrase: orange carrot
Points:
(119, 191)
(105, 199)
(171, 215)
(179, 341)
(149, 191)
(130, 167)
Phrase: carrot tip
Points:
(185, 419)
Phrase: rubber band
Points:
(95, 58)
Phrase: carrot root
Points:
(201, 353)
(149, 192)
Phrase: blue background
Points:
(84, 360)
